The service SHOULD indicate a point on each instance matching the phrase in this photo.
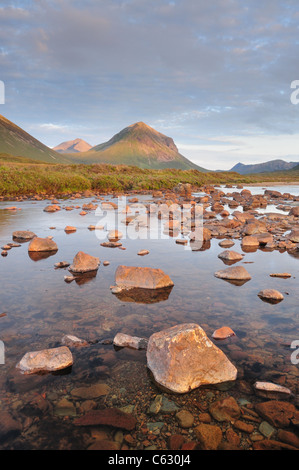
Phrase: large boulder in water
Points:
(130, 277)
(182, 358)
(42, 244)
(83, 263)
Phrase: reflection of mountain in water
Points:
(144, 296)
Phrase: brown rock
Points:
(182, 358)
(253, 227)
(46, 360)
(52, 208)
(109, 417)
(235, 273)
(191, 445)
(278, 413)
(244, 427)
(204, 418)
(223, 333)
(69, 229)
(226, 409)
(176, 441)
(271, 295)
(250, 241)
(84, 263)
(23, 235)
(185, 418)
(294, 211)
(288, 437)
(294, 236)
(130, 277)
(209, 436)
(232, 437)
(269, 444)
(229, 255)
(42, 244)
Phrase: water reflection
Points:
(144, 296)
(40, 255)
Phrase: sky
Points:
(215, 76)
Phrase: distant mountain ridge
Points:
(270, 166)
(139, 145)
(18, 143)
(71, 146)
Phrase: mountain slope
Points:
(272, 165)
(139, 145)
(72, 146)
(15, 141)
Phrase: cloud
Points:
(189, 67)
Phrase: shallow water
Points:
(41, 307)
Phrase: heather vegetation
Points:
(25, 179)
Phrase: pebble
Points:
(266, 429)
(185, 418)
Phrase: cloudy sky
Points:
(215, 76)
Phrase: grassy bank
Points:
(25, 179)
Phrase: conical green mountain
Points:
(18, 143)
(139, 145)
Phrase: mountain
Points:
(72, 146)
(272, 165)
(18, 143)
(139, 145)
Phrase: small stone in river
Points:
(223, 333)
(4, 253)
(73, 341)
(266, 429)
(185, 418)
(283, 275)
(122, 340)
(69, 229)
(226, 243)
(46, 360)
(209, 436)
(181, 241)
(84, 263)
(106, 263)
(143, 252)
(61, 264)
(271, 295)
(226, 409)
(69, 278)
(269, 389)
(229, 255)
